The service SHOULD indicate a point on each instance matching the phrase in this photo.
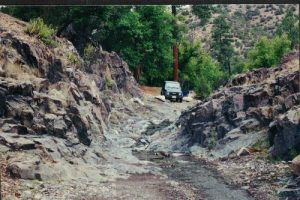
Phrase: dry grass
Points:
(21, 72)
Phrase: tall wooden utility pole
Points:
(175, 48)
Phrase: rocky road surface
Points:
(138, 173)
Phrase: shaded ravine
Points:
(206, 183)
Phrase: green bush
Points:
(43, 31)
(238, 65)
(72, 58)
(89, 52)
(268, 52)
(108, 82)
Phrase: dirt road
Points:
(133, 170)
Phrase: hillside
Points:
(78, 125)
(249, 22)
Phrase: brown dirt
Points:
(8, 186)
(148, 186)
(261, 177)
(151, 90)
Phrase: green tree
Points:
(290, 26)
(157, 59)
(203, 12)
(268, 52)
(221, 46)
(198, 69)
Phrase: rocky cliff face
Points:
(53, 104)
(263, 104)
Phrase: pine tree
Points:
(221, 47)
(290, 26)
(203, 12)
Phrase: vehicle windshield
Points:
(174, 86)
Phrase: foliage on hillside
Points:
(248, 23)
(268, 52)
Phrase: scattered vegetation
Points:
(108, 82)
(44, 32)
(72, 58)
(89, 52)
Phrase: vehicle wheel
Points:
(180, 100)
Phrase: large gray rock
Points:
(16, 142)
(284, 134)
(262, 100)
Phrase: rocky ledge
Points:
(54, 105)
(248, 126)
(264, 103)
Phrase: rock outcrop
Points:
(264, 103)
(52, 101)
(295, 165)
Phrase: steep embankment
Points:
(54, 106)
(248, 22)
(261, 103)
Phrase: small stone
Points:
(161, 98)
(137, 100)
(243, 152)
(246, 187)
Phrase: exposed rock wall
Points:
(265, 101)
(52, 101)
(44, 89)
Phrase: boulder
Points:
(187, 99)
(16, 142)
(295, 165)
(25, 169)
(137, 100)
(284, 134)
(243, 152)
(161, 98)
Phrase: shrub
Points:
(268, 52)
(185, 12)
(89, 52)
(238, 65)
(72, 58)
(108, 82)
(44, 32)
